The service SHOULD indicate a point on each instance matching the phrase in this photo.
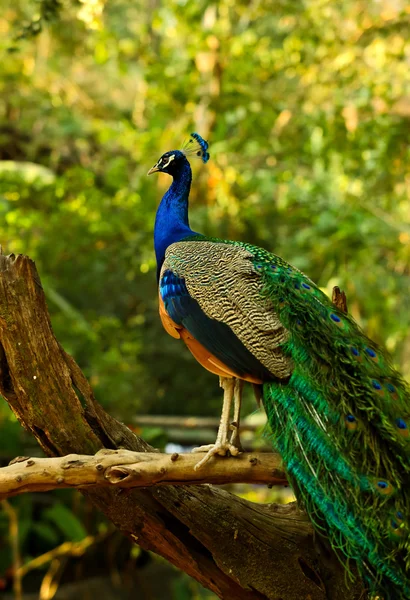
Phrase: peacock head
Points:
(171, 162)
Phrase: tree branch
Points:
(238, 549)
(125, 469)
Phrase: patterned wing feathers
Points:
(223, 280)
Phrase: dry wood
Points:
(238, 549)
(339, 299)
(126, 469)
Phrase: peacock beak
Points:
(153, 169)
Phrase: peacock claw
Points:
(232, 388)
(205, 448)
(213, 450)
(235, 438)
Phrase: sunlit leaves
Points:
(305, 106)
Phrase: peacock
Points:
(338, 411)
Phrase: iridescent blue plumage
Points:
(171, 286)
(172, 222)
(338, 411)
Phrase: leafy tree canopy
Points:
(306, 106)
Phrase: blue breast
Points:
(176, 298)
(171, 286)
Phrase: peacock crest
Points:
(196, 146)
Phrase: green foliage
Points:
(65, 520)
(306, 108)
(309, 152)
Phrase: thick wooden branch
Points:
(126, 469)
(239, 550)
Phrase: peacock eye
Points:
(166, 160)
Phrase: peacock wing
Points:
(222, 280)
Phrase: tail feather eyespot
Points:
(392, 390)
(383, 487)
(377, 387)
(356, 354)
(337, 320)
(371, 354)
(402, 427)
(351, 422)
(396, 525)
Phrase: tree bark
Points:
(125, 469)
(238, 549)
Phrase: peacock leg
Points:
(237, 399)
(221, 445)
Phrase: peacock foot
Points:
(232, 388)
(211, 450)
(235, 439)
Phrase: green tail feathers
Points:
(341, 424)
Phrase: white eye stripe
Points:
(170, 158)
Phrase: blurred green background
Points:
(306, 106)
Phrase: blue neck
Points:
(171, 223)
